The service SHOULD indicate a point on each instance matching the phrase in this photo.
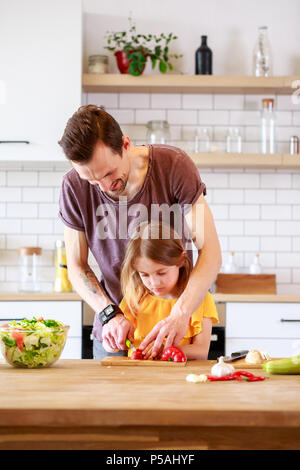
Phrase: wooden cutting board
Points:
(242, 364)
(126, 361)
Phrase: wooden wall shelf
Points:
(171, 83)
(246, 160)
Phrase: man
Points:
(111, 187)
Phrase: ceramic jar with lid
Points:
(98, 64)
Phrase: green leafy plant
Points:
(139, 47)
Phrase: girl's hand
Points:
(147, 352)
(108, 348)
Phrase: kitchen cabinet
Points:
(40, 76)
(68, 312)
(271, 327)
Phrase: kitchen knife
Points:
(129, 345)
(235, 356)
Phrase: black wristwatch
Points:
(108, 313)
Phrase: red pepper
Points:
(173, 353)
(19, 337)
(137, 354)
(237, 375)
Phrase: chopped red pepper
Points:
(137, 354)
(237, 376)
(173, 353)
(19, 337)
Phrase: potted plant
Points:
(132, 50)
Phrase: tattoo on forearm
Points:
(90, 281)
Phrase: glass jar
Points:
(158, 132)
(62, 283)
(233, 140)
(98, 64)
(29, 257)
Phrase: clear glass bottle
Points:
(233, 140)
(62, 283)
(231, 266)
(262, 54)
(255, 266)
(29, 257)
(268, 118)
(202, 140)
(158, 132)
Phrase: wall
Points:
(255, 211)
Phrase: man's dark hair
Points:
(89, 125)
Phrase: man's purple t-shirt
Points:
(172, 178)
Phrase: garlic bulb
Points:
(222, 368)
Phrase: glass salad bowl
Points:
(32, 343)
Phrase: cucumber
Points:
(290, 365)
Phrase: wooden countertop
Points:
(255, 298)
(82, 396)
(11, 296)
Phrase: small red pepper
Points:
(173, 353)
(237, 376)
(137, 354)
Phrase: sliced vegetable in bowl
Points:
(32, 343)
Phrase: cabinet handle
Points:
(287, 320)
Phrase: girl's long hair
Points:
(160, 243)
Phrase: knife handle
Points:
(239, 353)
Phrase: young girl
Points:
(155, 272)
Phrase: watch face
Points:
(109, 309)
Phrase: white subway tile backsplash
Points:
(16, 241)
(182, 117)
(2, 178)
(2, 209)
(244, 118)
(226, 227)
(254, 102)
(134, 100)
(260, 196)
(10, 226)
(108, 100)
(286, 102)
(288, 260)
(229, 101)
(215, 180)
(276, 212)
(296, 212)
(246, 180)
(21, 210)
(10, 194)
(288, 228)
(48, 210)
(267, 260)
(197, 101)
(228, 196)
(145, 115)
(296, 243)
(243, 243)
(17, 178)
(283, 275)
(276, 243)
(296, 181)
(213, 117)
(9, 258)
(37, 194)
(278, 180)
(123, 116)
(296, 276)
(165, 101)
(36, 226)
(292, 196)
(296, 118)
(288, 289)
(244, 212)
(50, 179)
(260, 227)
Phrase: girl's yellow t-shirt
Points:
(154, 309)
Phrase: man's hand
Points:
(173, 328)
(116, 331)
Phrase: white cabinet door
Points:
(272, 327)
(68, 312)
(40, 57)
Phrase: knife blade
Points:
(129, 345)
(235, 356)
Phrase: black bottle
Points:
(203, 58)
